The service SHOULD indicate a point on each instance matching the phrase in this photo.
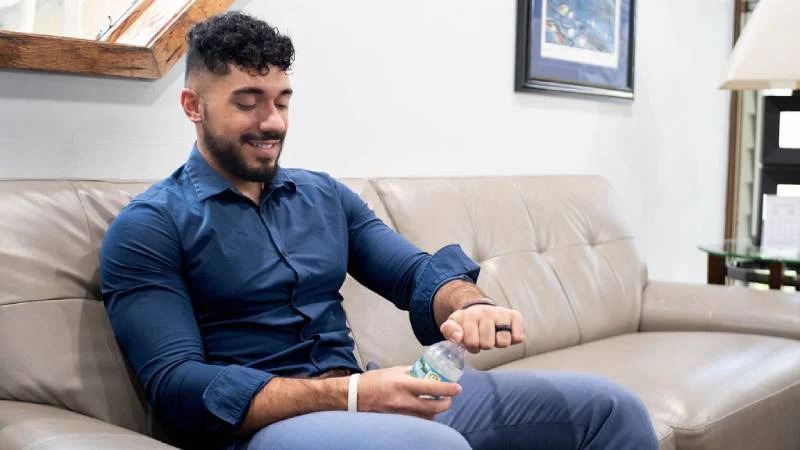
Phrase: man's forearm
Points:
(452, 296)
(283, 398)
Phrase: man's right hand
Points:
(394, 390)
(391, 390)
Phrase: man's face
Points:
(244, 122)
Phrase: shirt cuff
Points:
(449, 263)
(230, 393)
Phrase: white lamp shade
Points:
(767, 54)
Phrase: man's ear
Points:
(192, 105)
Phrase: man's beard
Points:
(230, 156)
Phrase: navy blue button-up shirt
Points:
(211, 295)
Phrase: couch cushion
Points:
(46, 251)
(101, 201)
(24, 426)
(554, 247)
(57, 345)
(715, 390)
(63, 353)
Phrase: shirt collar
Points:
(208, 182)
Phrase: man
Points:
(221, 283)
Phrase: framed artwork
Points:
(576, 46)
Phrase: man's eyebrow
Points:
(248, 90)
(259, 91)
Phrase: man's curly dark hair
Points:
(240, 39)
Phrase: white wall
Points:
(425, 87)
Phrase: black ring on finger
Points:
(499, 328)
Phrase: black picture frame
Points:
(541, 66)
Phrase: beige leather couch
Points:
(719, 368)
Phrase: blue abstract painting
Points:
(584, 24)
(576, 46)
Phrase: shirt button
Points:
(284, 253)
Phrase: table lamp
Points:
(767, 54)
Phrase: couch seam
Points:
(381, 197)
(611, 269)
(515, 252)
(736, 411)
(508, 300)
(569, 301)
(527, 213)
(621, 285)
(39, 300)
(552, 269)
(39, 443)
(471, 221)
(86, 221)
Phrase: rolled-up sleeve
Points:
(449, 263)
(387, 263)
(147, 300)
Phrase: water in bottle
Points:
(440, 362)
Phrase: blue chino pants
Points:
(496, 410)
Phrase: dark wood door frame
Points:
(734, 129)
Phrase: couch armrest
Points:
(701, 307)
(39, 427)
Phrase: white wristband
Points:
(352, 393)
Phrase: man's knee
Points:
(433, 435)
(624, 413)
(341, 430)
(626, 404)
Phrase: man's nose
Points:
(273, 121)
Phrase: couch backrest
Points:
(56, 343)
(555, 248)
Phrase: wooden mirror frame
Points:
(106, 58)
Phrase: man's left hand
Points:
(483, 327)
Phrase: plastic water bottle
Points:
(443, 361)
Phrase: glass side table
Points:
(740, 259)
